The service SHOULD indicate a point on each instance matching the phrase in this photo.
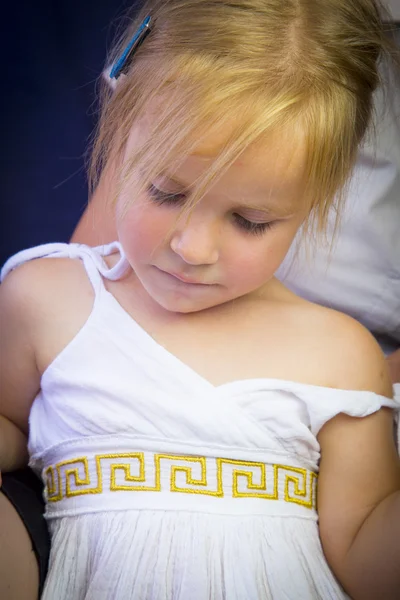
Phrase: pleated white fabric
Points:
(161, 486)
(160, 555)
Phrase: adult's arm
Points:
(97, 225)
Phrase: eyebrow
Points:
(271, 211)
(175, 180)
(276, 211)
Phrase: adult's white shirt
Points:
(362, 275)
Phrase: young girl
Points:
(182, 403)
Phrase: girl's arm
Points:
(19, 377)
(359, 490)
(394, 366)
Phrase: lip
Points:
(184, 278)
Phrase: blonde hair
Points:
(307, 66)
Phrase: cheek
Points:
(142, 230)
(256, 260)
(253, 267)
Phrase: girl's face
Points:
(233, 241)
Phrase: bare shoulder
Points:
(49, 299)
(44, 281)
(357, 359)
(349, 354)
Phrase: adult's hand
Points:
(393, 361)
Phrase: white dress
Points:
(162, 486)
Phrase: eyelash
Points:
(177, 199)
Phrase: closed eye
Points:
(250, 226)
(179, 199)
(164, 197)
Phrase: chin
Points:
(183, 306)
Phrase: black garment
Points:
(25, 492)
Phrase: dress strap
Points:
(92, 258)
(119, 269)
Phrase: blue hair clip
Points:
(122, 64)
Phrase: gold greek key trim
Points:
(299, 485)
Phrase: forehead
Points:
(274, 153)
(272, 165)
(270, 171)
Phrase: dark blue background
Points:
(52, 52)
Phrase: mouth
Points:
(184, 278)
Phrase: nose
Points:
(196, 241)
